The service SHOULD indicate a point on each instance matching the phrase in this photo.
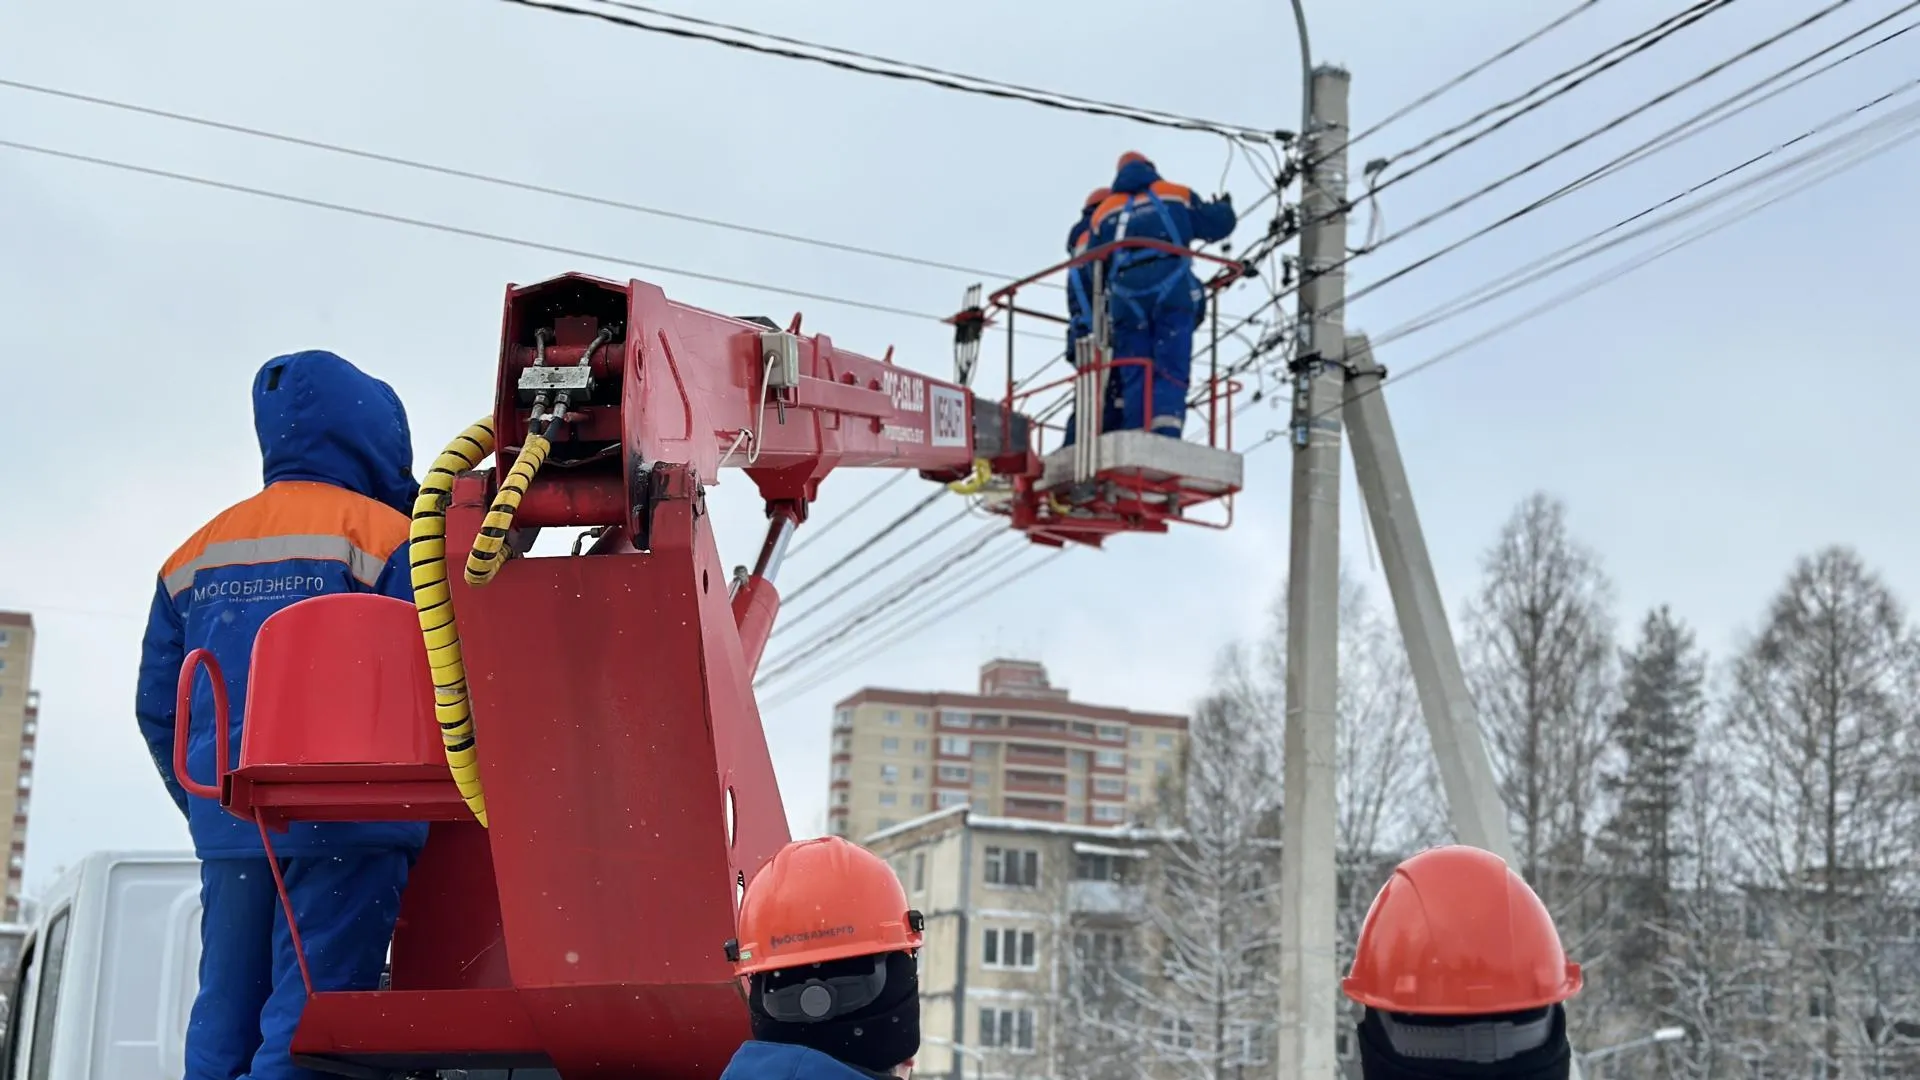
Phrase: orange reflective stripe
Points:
(293, 519)
(1167, 189)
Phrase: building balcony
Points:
(1106, 898)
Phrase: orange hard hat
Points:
(1097, 195)
(1130, 157)
(821, 900)
(1455, 932)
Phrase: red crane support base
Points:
(630, 794)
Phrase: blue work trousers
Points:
(1163, 333)
(251, 994)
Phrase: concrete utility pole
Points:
(1309, 980)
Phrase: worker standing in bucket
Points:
(1080, 303)
(1462, 975)
(1153, 294)
(337, 460)
(828, 947)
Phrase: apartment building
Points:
(19, 723)
(1019, 913)
(1019, 748)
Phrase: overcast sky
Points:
(1707, 418)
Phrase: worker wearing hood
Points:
(337, 462)
(1080, 300)
(1153, 294)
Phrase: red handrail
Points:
(183, 722)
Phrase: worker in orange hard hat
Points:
(827, 945)
(1080, 300)
(1462, 975)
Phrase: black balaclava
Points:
(875, 1037)
(1528, 1045)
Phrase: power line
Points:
(947, 80)
(845, 560)
(944, 563)
(498, 181)
(1400, 113)
(912, 623)
(1614, 273)
(1667, 139)
(1639, 43)
(822, 530)
(1488, 189)
(477, 234)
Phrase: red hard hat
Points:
(1130, 157)
(1455, 932)
(821, 900)
(1096, 196)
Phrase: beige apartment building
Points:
(1019, 748)
(1021, 916)
(19, 723)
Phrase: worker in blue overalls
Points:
(1080, 300)
(1153, 295)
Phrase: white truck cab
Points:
(107, 974)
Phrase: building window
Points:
(954, 746)
(889, 774)
(839, 771)
(889, 798)
(954, 774)
(838, 826)
(892, 718)
(1109, 812)
(919, 746)
(919, 719)
(3, 663)
(1008, 948)
(842, 719)
(1013, 867)
(982, 778)
(949, 718)
(1109, 785)
(1006, 1029)
(947, 800)
(1076, 787)
(919, 772)
(1110, 759)
(919, 870)
(1161, 768)
(843, 743)
(1175, 1033)
(1133, 791)
(1163, 740)
(4, 638)
(840, 796)
(918, 801)
(1139, 737)
(890, 745)
(1112, 733)
(884, 823)
(1088, 866)
(983, 751)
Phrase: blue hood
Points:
(1134, 177)
(320, 418)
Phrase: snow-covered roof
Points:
(1081, 847)
(1120, 833)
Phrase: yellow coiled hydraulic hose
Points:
(490, 545)
(433, 599)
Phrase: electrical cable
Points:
(843, 515)
(946, 80)
(1400, 113)
(478, 234)
(944, 563)
(1666, 95)
(1635, 45)
(904, 629)
(1667, 139)
(850, 556)
(1611, 274)
(497, 181)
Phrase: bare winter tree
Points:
(1208, 1002)
(1822, 700)
(1539, 651)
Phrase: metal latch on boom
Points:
(780, 355)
